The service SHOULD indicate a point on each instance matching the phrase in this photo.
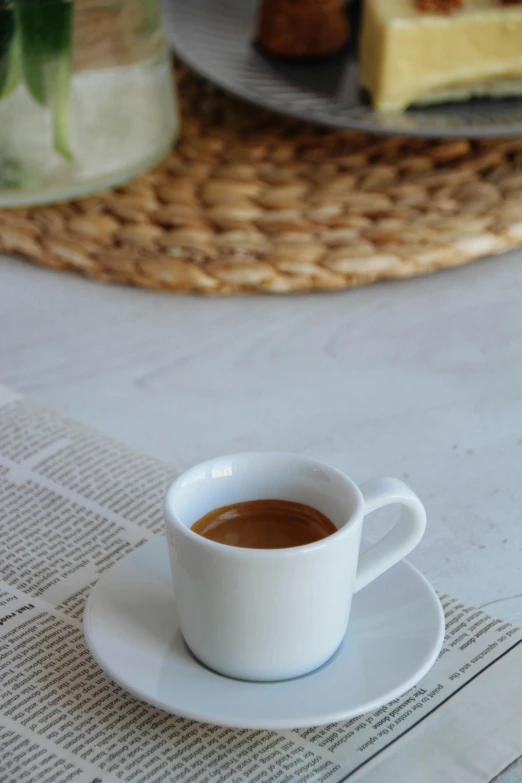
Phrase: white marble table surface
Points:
(421, 379)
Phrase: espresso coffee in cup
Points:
(265, 524)
(255, 602)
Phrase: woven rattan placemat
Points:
(249, 201)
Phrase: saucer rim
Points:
(271, 724)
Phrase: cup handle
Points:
(401, 539)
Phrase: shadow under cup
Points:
(263, 614)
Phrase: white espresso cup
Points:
(274, 614)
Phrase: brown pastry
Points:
(302, 28)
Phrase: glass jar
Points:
(86, 96)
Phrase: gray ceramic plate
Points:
(214, 37)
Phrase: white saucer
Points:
(395, 634)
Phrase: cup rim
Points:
(248, 552)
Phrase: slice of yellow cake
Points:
(411, 56)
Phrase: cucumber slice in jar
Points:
(45, 30)
(9, 51)
(152, 16)
(13, 72)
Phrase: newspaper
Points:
(72, 503)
